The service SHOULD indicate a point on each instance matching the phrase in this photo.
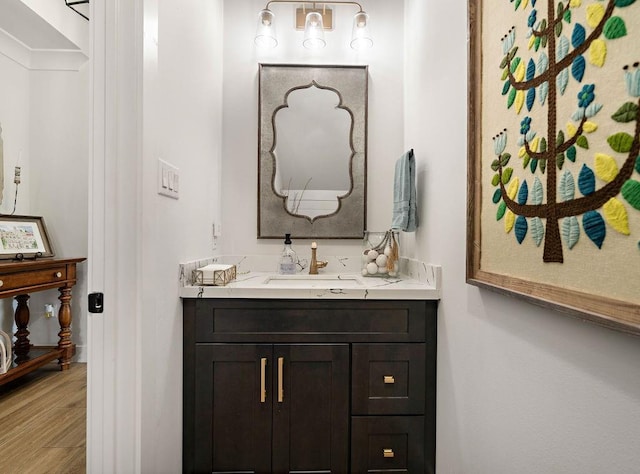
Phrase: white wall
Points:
(44, 117)
(182, 125)
(239, 162)
(521, 389)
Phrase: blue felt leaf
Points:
(562, 80)
(543, 63)
(567, 186)
(497, 196)
(586, 181)
(523, 193)
(506, 87)
(578, 36)
(531, 70)
(543, 91)
(592, 109)
(537, 192)
(577, 68)
(570, 231)
(563, 48)
(521, 228)
(531, 98)
(571, 154)
(593, 225)
(578, 114)
(537, 230)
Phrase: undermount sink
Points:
(314, 281)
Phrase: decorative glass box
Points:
(380, 254)
(214, 274)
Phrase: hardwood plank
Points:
(43, 419)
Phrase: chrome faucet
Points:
(315, 264)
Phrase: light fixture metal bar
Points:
(315, 3)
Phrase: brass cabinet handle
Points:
(389, 379)
(388, 453)
(263, 380)
(280, 381)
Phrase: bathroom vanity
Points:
(336, 382)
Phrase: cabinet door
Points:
(311, 411)
(233, 408)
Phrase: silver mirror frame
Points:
(276, 82)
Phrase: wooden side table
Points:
(19, 279)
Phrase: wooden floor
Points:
(43, 422)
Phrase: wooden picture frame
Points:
(23, 238)
(557, 280)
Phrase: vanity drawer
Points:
(388, 379)
(309, 321)
(9, 281)
(387, 444)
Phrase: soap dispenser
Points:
(288, 259)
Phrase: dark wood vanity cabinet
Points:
(309, 386)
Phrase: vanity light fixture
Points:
(316, 20)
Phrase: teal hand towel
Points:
(405, 215)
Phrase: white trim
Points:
(40, 59)
(113, 406)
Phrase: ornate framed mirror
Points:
(312, 151)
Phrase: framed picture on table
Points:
(23, 237)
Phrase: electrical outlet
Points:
(48, 311)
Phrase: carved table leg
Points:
(22, 345)
(64, 318)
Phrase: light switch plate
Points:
(168, 180)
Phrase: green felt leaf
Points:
(511, 98)
(570, 231)
(560, 138)
(496, 179)
(518, 4)
(537, 192)
(537, 230)
(533, 165)
(497, 196)
(543, 145)
(506, 87)
(536, 43)
(504, 62)
(543, 166)
(624, 3)
(558, 29)
(567, 16)
(505, 73)
(543, 39)
(631, 192)
(514, 64)
(504, 159)
(620, 142)
(627, 113)
(567, 189)
(582, 142)
(560, 160)
(571, 154)
(502, 208)
(512, 54)
(495, 164)
(560, 8)
(525, 161)
(614, 28)
(506, 175)
(638, 164)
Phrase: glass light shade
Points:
(266, 30)
(361, 36)
(314, 31)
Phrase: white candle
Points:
(314, 245)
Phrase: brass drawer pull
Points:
(280, 381)
(263, 381)
(58, 274)
(388, 453)
(389, 379)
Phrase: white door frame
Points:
(113, 381)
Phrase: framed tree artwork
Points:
(554, 154)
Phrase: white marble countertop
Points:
(418, 282)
